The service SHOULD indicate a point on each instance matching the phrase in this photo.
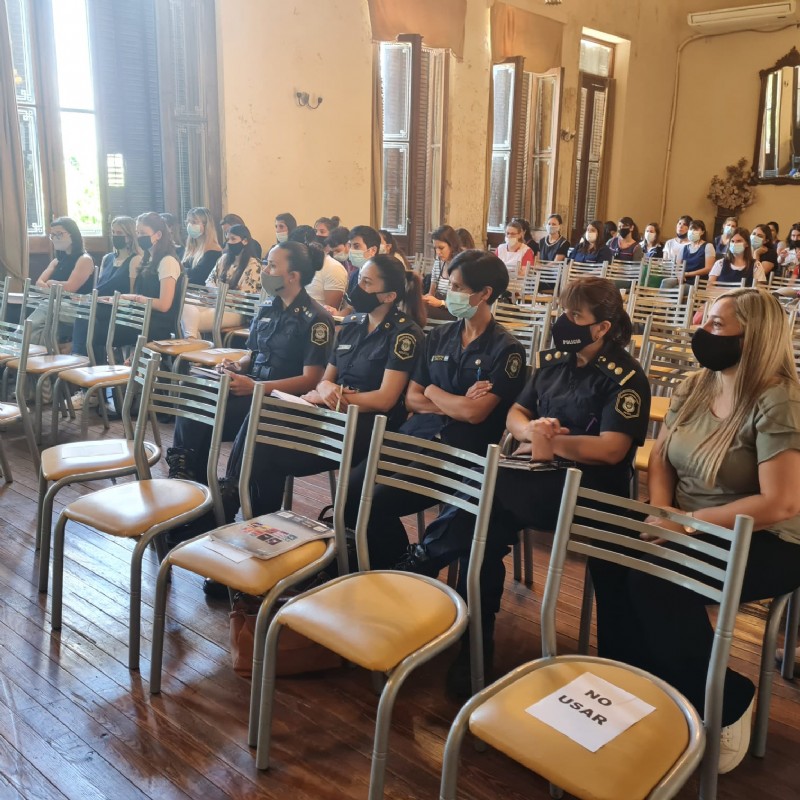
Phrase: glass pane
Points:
(595, 58)
(498, 192)
(79, 141)
(503, 105)
(191, 163)
(187, 56)
(545, 101)
(20, 50)
(32, 171)
(74, 68)
(598, 126)
(395, 182)
(396, 89)
(542, 189)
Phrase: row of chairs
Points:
(390, 623)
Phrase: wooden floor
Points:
(75, 723)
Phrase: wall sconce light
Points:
(304, 100)
(567, 136)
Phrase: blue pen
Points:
(479, 374)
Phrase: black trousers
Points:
(665, 629)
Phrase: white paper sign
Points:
(590, 711)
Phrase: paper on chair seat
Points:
(228, 551)
(590, 711)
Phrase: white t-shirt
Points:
(513, 259)
(332, 277)
(758, 272)
(673, 249)
(169, 267)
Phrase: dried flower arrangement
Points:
(735, 191)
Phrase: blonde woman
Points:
(202, 245)
(730, 444)
(239, 268)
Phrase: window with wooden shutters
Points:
(413, 85)
(26, 93)
(544, 145)
(504, 82)
(596, 63)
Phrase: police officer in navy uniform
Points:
(373, 357)
(587, 404)
(290, 342)
(460, 393)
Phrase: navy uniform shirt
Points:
(284, 340)
(495, 356)
(611, 393)
(361, 357)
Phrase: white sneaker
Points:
(79, 399)
(735, 741)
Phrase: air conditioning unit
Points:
(765, 15)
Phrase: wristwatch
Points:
(688, 528)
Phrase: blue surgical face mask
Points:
(194, 230)
(737, 248)
(756, 241)
(728, 230)
(458, 304)
(340, 257)
(694, 235)
(357, 258)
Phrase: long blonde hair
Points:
(767, 359)
(195, 248)
(128, 227)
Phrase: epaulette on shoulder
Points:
(350, 318)
(549, 358)
(619, 371)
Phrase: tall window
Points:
(596, 68)
(413, 85)
(524, 144)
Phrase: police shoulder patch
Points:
(405, 346)
(320, 333)
(629, 404)
(513, 365)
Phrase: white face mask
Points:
(340, 257)
(756, 241)
(591, 236)
(552, 228)
(650, 236)
(694, 235)
(383, 249)
(511, 241)
(282, 237)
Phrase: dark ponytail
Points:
(603, 299)
(305, 259)
(406, 284)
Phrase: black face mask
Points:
(321, 240)
(120, 242)
(363, 302)
(623, 233)
(716, 352)
(144, 242)
(569, 336)
(234, 248)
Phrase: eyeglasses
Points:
(56, 236)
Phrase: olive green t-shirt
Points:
(772, 427)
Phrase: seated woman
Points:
(447, 246)
(323, 227)
(514, 253)
(228, 221)
(764, 248)
(698, 255)
(722, 241)
(590, 249)
(330, 281)
(177, 232)
(789, 257)
(553, 247)
(625, 245)
(240, 269)
(202, 247)
(587, 403)
(285, 223)
(730, 444)
(651, 244)
(465, 237)
(461, 389)
(390, 247)
(738, 263)
(375, 352)
(72, 267)
(290, 342)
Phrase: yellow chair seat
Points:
(175, 347)
(253, 575)
(627, 767)
(41, 364)
(91, 376)
(9, 412)
(75, 458)
(374, 619)
(658, 408)
(216, 355)
(244, 332)
(33, 350)
(131, 509)
(643, 454)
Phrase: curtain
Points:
(516, 32)
(439, 22)
(13, 217)
(376, 195)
